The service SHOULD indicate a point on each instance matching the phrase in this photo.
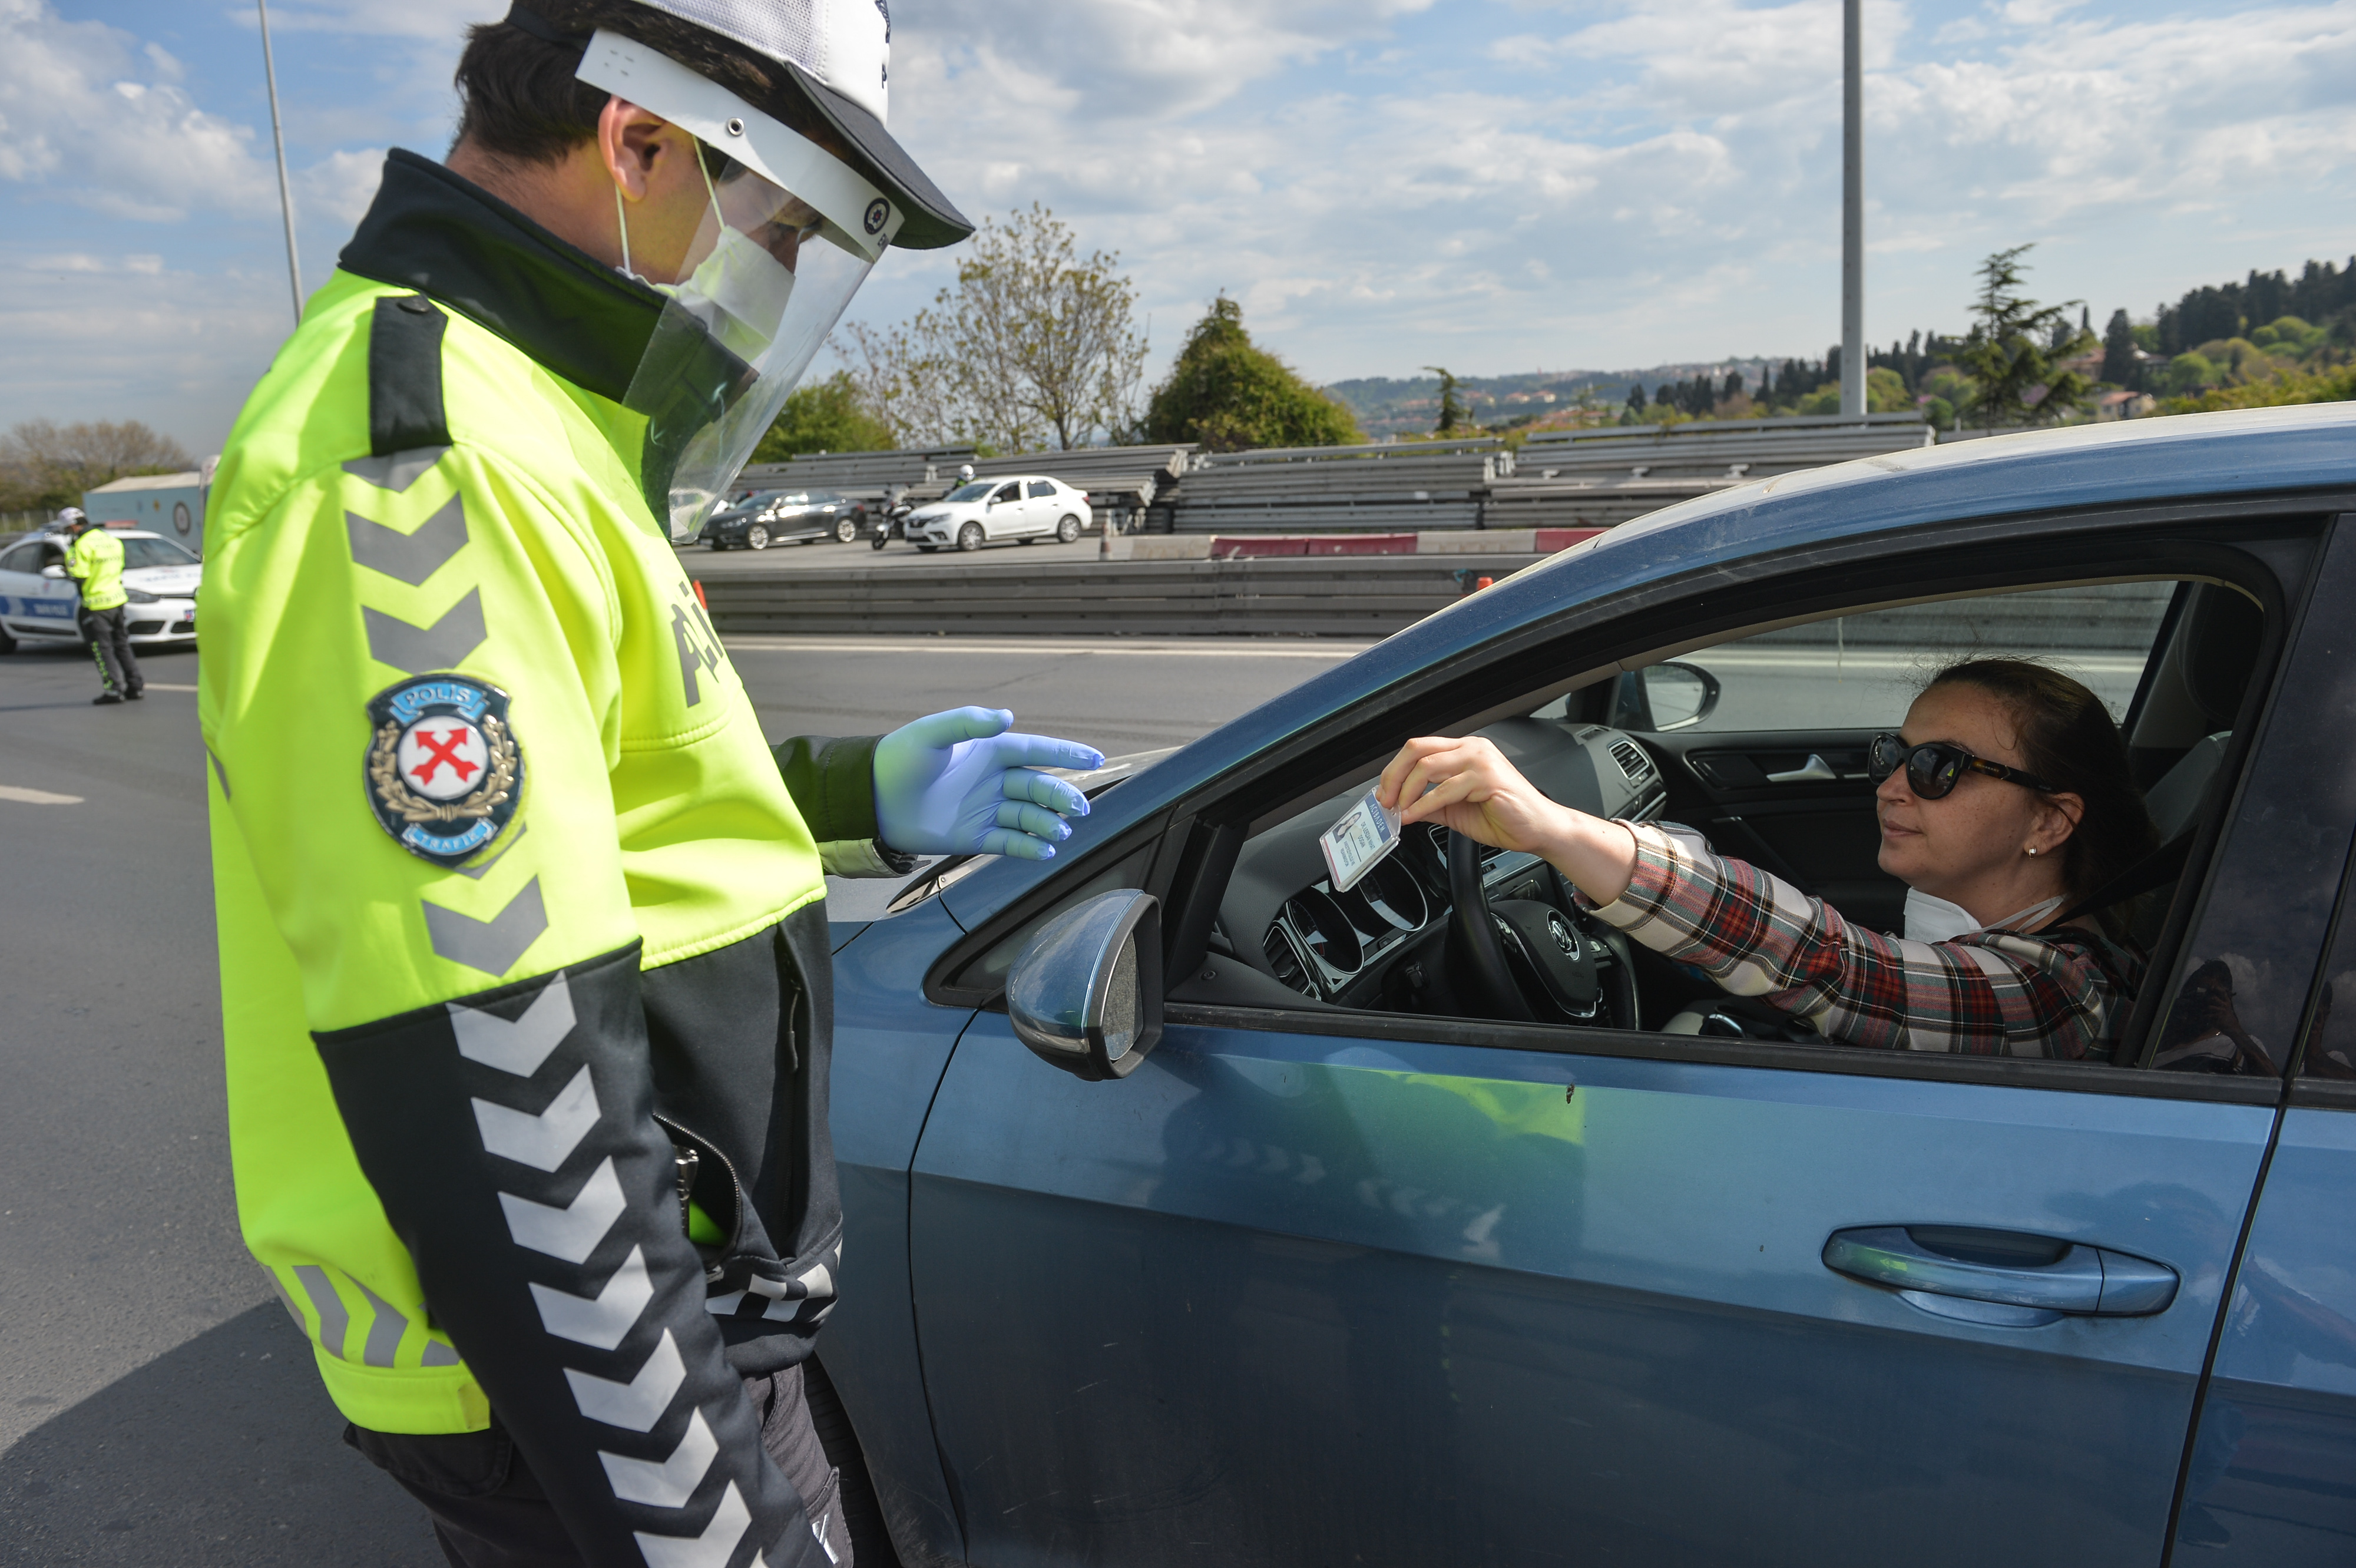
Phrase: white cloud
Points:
(1120, 58)
(1660, 179)
(129, 338)
(339, 187)
(95, 120)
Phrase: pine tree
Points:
(2003, 355)
(2119, 364)
(1636, 399)
(1451, 407)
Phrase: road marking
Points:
(933, 647)
(37, 797)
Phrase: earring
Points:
(2033, 849)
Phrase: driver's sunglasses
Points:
(1933, 767)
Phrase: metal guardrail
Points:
(1350, 596)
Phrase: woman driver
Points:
(2007, 793)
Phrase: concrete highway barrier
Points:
(1285, 595)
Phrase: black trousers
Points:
(109, 636)
(489, 1512)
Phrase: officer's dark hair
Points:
(519, 102)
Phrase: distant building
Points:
(171, 504)
(2124, 406)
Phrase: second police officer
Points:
(524, 956)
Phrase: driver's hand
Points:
(1467, 784)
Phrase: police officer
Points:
(524, 955)
(94, 560)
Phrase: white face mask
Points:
(739, 291)
(1930, 920)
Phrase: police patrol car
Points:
(38, 600)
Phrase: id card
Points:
(1368, 832)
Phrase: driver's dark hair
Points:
(520, 102)
(2067, 738)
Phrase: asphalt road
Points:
(157, 1407)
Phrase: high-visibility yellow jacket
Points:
(515, 903)
(95, 561)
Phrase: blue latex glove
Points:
(957, 783)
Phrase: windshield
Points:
(137, 552)
(972, 492)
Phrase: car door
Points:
(2270, 1477)
(1312, 1286)
(1002, 517)
(38, 604)
(1042, 507)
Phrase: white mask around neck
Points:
(1930, 920)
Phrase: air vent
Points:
(1285, 962)
(1632, 761)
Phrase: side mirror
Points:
(1679, 694)
(1085, 995)
(58, 572)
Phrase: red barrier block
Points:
(1225, 549)
(1550, 540)
(1361, 544)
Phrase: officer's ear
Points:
(631, 144)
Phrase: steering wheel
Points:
(1572, 977)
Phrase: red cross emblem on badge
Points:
(441, 758)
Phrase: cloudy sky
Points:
(1492, 184)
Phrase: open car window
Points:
(1691, 738)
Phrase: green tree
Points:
(1035, 342)
(1451, 407)
(2014, 346)
(824, 416)
(2120, 366)
(1229, 394)
(2323, 386)
(45, 465)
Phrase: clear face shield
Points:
(787, 235)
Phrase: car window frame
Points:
(2254, 544)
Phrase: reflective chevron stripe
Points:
(604, 1319)
(381, 1328)
(409, 557)
(542, 1141)
(545, 1140)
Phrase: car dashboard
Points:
(1376, 945)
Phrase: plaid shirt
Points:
(2061, 994)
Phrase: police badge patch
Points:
(443, 771)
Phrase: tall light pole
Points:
(286, 191)
(1852, 214)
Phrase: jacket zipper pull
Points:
(687, 1160)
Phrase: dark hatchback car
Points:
(1391, 1253)
(775, 516)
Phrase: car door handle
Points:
(1996, 1278)
(1815, 770)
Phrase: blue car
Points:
(1201, 1212)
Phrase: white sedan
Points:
(986, 511)
(38, 600)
